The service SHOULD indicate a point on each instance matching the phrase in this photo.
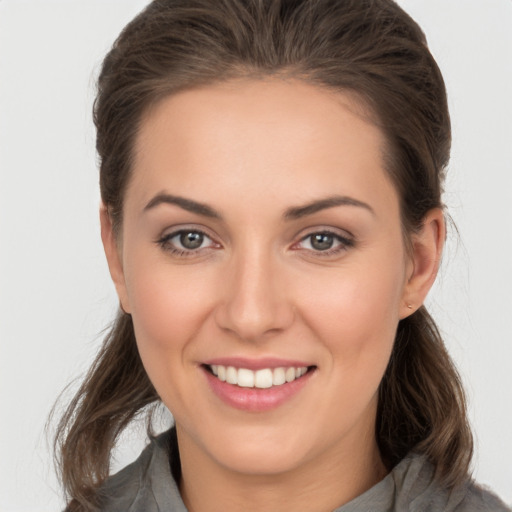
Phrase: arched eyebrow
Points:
(295, 212)
(298, 212)
(187, 204)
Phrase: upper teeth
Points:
(264, 378)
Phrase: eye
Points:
(191, 239)
(321, 241)
(324, 242)
(186, 242)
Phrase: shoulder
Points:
(122, 490)
(146, 485)
(478, 498)
(417, 490)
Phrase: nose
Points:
(254, 301)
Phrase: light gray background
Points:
(55, 294)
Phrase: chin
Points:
(259, 460)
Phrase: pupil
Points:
(322, 241)
(191, 240)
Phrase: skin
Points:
(256, 287)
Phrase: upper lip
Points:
(256, 364)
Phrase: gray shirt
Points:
(148, 485)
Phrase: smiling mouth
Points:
(262, 379)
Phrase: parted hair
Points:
(369, 48)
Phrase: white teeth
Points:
(262, 379)
(278, 377)
(290, 374)
(245, 378)
(231, 375)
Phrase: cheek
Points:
(168, 306)
(355, 311)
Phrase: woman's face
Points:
(261, 240)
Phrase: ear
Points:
(424, 260)
(112, 248)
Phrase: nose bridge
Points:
(254, 301)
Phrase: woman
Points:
(271, 177)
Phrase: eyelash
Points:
(344, 243)
(165, 243)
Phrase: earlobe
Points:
(426, 250)
(112, 252)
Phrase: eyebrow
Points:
(182, 202)
(293, 213)
(323, 204)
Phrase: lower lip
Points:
(256, 399)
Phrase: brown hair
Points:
(368, 47)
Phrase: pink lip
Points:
(255, 399)
(256, 364)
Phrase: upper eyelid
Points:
(172, 231)
(346, 239)
(338, 232)
(176, 249)
(164, 241)
(174, 234)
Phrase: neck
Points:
(340, 475)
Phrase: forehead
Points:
(261, 135)
(256, 105)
